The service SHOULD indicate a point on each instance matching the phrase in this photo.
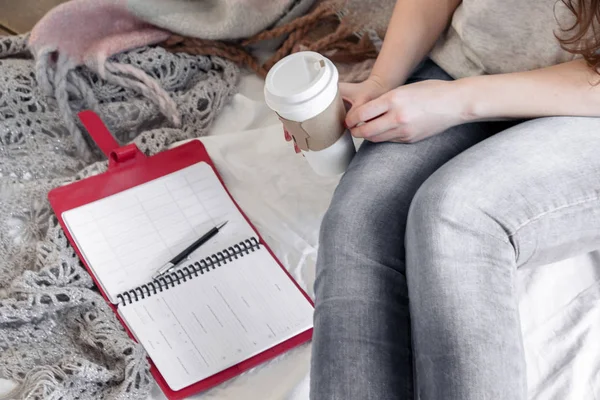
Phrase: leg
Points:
(361, 342)
(525, 197)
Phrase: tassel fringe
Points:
(58, 78)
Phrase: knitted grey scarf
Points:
(58, 337)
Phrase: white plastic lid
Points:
(301, 85)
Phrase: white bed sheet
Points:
(560, 303)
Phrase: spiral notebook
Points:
(227, 308)
(228, 302)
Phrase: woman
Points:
(440, 208)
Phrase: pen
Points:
(185, 253)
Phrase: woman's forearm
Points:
(567, 89)
(413, 29)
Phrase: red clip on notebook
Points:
(228, 308)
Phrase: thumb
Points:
(359, 101)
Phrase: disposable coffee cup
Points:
(302, 89)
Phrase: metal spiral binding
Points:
(183, 274)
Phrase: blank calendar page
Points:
(126, 237)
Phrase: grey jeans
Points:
(420, 247)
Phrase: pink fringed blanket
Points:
(88, 32)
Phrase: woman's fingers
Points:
(366, 112)
(288, 138)
(374, 127)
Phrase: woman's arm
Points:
(567, 89)
(414, 112)
(413, 29)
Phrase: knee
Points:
(454, 238)
(455, 200)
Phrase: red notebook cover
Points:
(129, 167)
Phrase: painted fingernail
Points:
(296, 148)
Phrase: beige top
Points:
(499, 36)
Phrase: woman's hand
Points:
(355, 94)
(409, 113)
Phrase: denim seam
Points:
(537, 217)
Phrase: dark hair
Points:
(582, 37)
